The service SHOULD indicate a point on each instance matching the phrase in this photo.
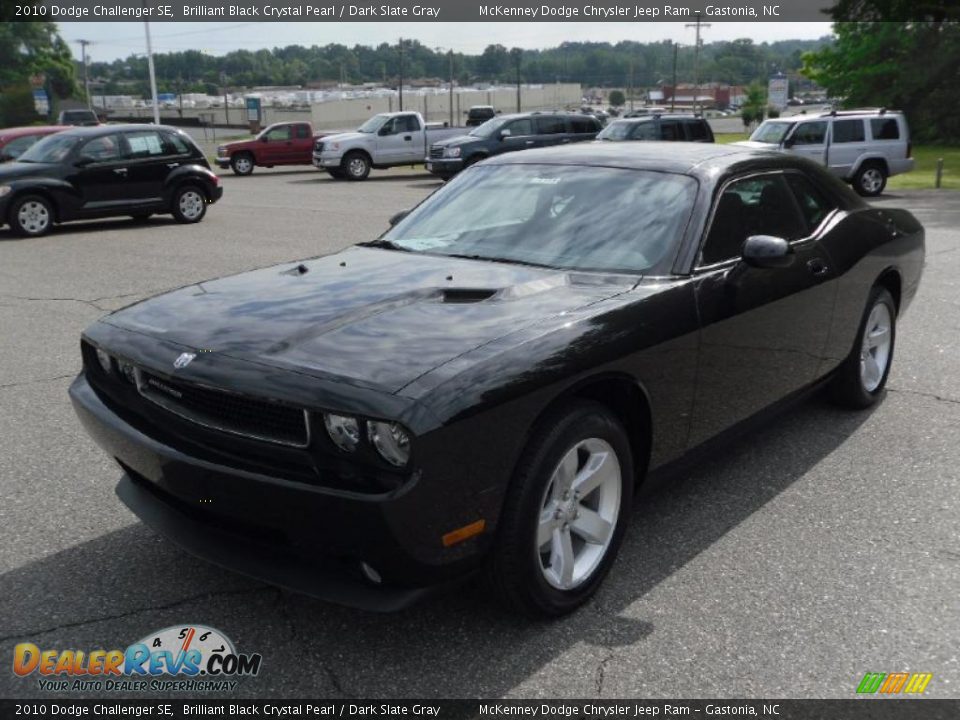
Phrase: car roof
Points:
(95, 130)
(699, 159)
(662, 116)
(15, 132)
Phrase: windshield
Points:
(488, 128)
(373, 124)
(771, 132)
(52, 149)
(618, 130)
(583, 218)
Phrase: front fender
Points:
(63, 195)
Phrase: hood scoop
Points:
(466, 295)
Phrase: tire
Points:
(540, 524)
(355, 166)
(336, 173)
(870, 180)
(189, 204)
(242, 164)
(31, 216)
(860, 380)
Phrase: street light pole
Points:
(86, 72)
(153, 76)
(400, 86)
(696, 59)
(450, 53)
(517, 54)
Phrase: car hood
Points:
(375, 317)
(457, 140)
(238, 143)
(14, 169)
(756, 145)
(345, 137)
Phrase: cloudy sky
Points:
(118, 40)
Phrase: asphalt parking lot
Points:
(823, 547)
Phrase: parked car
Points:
(862, 147)
(479, 114)
(78, 117)
(385, 140)
(106, 171)
(483, 387)
(15, 141)
(689, 128)
(286, 143)
(508, 133)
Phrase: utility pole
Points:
(153, 76)
(630, 89)
(517, 55)
(400, 86)
(450, 53)
(696, 59)
(86, 72)
(673, 93)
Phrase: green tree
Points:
(912, 65)
(617, 98)
(754, 106)
(31, 53)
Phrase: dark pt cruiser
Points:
(483, 387)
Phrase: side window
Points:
(279, 133)
(551, 125)
(176, 144)
(847, 131)
(519, 128)
(645, 131)
(405, 124)
(101, 149)
(581, 125)
(885, 129)
(144, 144)
(696, 130)
(15, 148)
(814, 205)
(761, 205)
(810, 133)
(303, 132)
(670, 130)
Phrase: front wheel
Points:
(860, 380)
(356, 166)
(565, 513)
(189, 204)
(241, 164)
(31, 216)
(870, 180)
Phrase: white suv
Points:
(864, 147)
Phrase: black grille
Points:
(436, 153)
(237, 414)
(318, 146)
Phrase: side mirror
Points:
(767, 251)
(264, 139)
(385, 130)
(398, 217)
(504, 134)
(789, 142)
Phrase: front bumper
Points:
(223, 162)
(307, 538)
(327, 160)
(444, 167)
(216, 193)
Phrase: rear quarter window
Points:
(697, 130)
(885, 129)
(551, 125)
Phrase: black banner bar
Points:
(872, 708)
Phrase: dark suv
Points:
(507, 133)
(104, 171)
(689, 128)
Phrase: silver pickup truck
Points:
(385, 140)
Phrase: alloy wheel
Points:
(578, 513)
(243, 165)
(34, 217)
(871, 180)
(875, 347)
(191, 204)
(357, 167)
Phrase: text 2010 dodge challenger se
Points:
(484, 386)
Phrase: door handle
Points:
(529, 142)
(407, 137)
(818, 267)
(120, 171)
(173, 165)
(565, 140)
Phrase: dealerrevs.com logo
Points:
(189, 658)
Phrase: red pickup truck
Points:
(286, 143)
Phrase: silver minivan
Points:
(864, 147)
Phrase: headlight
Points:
(5, 190)
(222, 150)
(391, 441)
(343, 430)
(451, 152)
(104, 359)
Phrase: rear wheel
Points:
(356, 166)
(860, 380)
(565, 513)
(31, 216)
(242, 164)
(189, 204)
(870, 180)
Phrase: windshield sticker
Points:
(545, 181)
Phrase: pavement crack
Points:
(136, 611)
(601, 672)
(920, 393)
(36, 380)
(335, 681)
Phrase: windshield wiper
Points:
(383, 243)
(493, 258)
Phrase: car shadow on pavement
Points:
(112, 590)
(98, 226)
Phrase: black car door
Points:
(551, 130)
(150, 159)
(100, 175)
(763, 330)
(520, 136)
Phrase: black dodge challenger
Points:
(483, 387)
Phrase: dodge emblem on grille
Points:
(184, 360)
